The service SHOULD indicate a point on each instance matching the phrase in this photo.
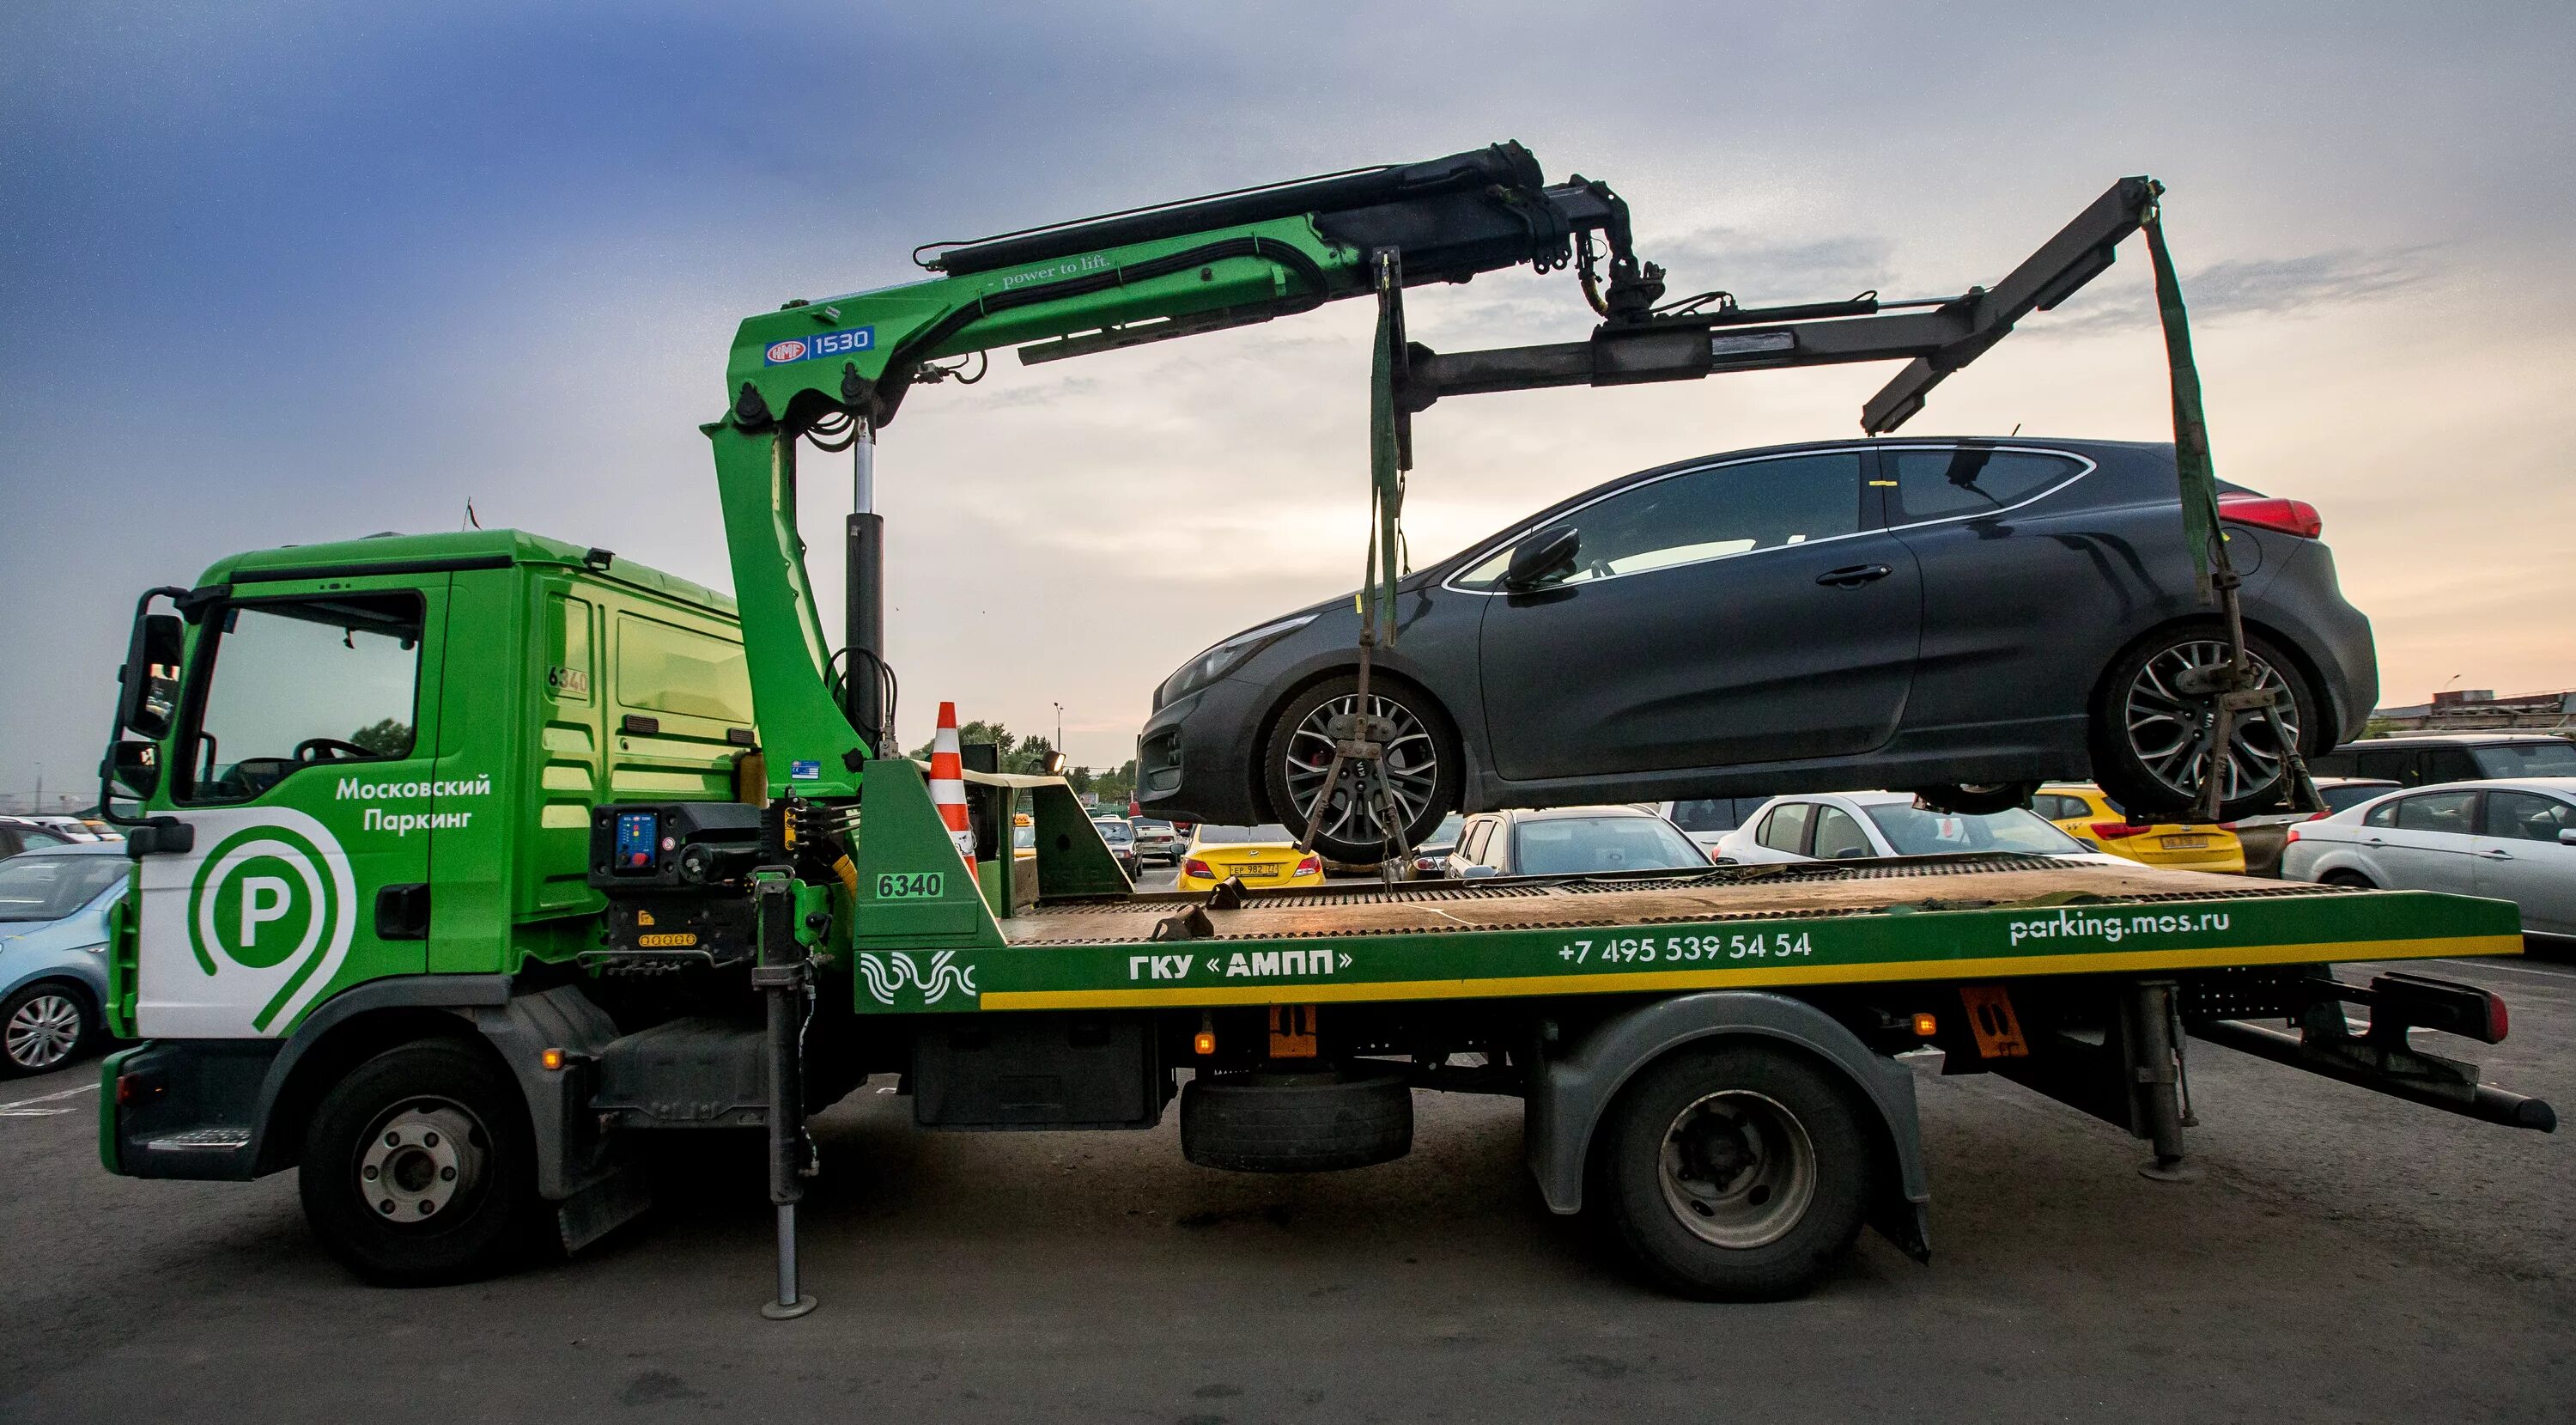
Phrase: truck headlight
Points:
(1224, 658)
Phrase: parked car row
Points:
(54, 901)
(2509, 839)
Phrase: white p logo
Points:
(263, 899)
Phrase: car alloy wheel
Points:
(1412, 769)
(2165, 726)
(43, 1031)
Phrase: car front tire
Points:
(44, 1026)
(1422, 767)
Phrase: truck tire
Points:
(1734, 1174)
(420, 1169)
(1295, 1123)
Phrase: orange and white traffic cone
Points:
(948, 785)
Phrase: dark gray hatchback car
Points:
(1965, 617)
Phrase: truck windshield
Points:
(303, 681)
(1572, 845)
(1916, 832)
(39, 888)
(2528, 759)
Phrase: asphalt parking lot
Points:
(2347, 1257)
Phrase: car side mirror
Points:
(1546, 555)
(135, 766)
(149, 683)
(2567, 836)
(1478, 871)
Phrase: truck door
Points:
(303, 766)
(1740, 612)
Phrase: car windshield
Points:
(1267, 831)
(1116, 833)
(1916, 832)
(51, 887)
(2553, 758)
(1572, 845)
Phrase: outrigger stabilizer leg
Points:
(780, 977)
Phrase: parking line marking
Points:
(2554, 975)
(47, 1098)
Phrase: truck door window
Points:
(291, 683)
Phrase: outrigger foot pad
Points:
(788, 1310)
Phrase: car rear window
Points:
(2528, 759)
(40, 888)
(1243, 835)
(2345, 798)
(1572, 845)
(1969, 480)
(1916, 832)
(1115, 832)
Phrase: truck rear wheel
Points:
(419, 1167)
(1735, 1174)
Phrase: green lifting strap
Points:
(1386, 476)
(2190, 427)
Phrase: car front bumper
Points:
(1194, 758)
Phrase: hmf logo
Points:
(270, 915)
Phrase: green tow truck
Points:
(466, 862)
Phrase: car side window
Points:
(2395, 765)
(1786, 827)
(1711, 814)
(2055, 807)
(2446, 813)
(1711, 513)
(1971, 480)
(1838, 837)
(2384, 814)
(2524, 816)
(1498, 845)
(2450, 764)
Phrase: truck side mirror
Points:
(135, 766)
(149, 683)
(1546, 555)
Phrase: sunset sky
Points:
(282, 273)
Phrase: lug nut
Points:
(427, 1207)
(393, 1139)
(447, 1175)
(386, 1207)
(429, 1140)
(368, 1172)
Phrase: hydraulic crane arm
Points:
(844, 364)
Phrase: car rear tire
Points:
(2145, 733)
(1422, 767)
(2354, 879)
(420, 1168)
(1734, 1174)
(44, 1026)
(1976, 798)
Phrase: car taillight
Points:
(1313, 865)
(2293, 833)
(2114, 830)
(2264, 512)
(1196, 867)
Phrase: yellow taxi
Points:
(1024, 837)
(1264, 857)
(2081, 811)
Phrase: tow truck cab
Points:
(327, 732)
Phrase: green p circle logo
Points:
(270, 916)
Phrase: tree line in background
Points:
(1028, 756)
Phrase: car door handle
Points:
(1852, 576)
(2497, 855)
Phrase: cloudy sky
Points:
(278, 273)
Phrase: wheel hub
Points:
(1410, 766)
(420, 1160)
(43, 1032)
(1738, 1169)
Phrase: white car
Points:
(2511, 840)
(1860, 826)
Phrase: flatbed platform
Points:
(1968, 917)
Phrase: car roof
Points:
(1562, 813)
(78, 848)
(2563, 786)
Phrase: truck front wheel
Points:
(419, 1167)
(1734, 1174)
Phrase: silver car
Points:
(2510, 840)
